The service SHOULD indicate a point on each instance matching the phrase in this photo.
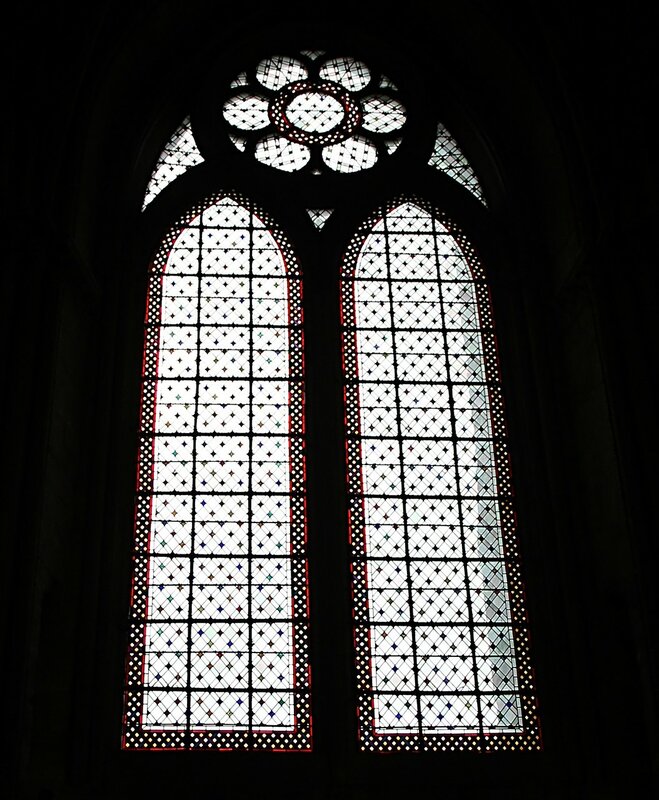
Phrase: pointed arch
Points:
(440, 628)
(218, 654)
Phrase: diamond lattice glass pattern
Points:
(315, 112)
(218, 653)
(179, 155)
(440, 629)
(449, 158)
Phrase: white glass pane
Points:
(449, 158)
(351, 74)
(352, 155)
(276, 151)
(179, 155)
(276, 72)
(383, 114)
(247, 111)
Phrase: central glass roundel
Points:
(315, 112)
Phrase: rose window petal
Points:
(352, 155)
(279, 152)
(351, 74)
(382, 114)
(276, 72)
(247, 111)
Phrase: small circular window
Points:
(314, 113)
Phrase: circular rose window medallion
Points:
(314, 112)
(311, 112)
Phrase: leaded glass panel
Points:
(218, 654)
(448, 157)
(180, 154)
(440, 629)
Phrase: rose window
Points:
(312, 113)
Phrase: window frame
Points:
(335, 749)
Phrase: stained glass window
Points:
(219, 631)
(449, 158)
(218, 653)
(180, 154)
(440, 628)
(311, 112)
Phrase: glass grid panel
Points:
(179, 155)
(449, 158)
(440, 629)
(218, 654)
(319, 216)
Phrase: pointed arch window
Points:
(440, 632)
(219, 633)
(219, 645)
